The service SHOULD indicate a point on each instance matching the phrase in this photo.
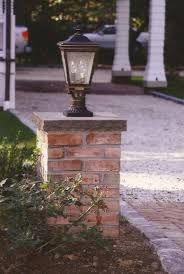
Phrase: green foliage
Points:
(174, 33)
(16, 158)
(139, 11)
(51, 21)
(93, 235)
(26, 205)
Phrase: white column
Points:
(155, 71)
(2, 52)
(121, 65)
(10, 104)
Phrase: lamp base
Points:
(78, 112)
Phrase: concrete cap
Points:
(54, 121)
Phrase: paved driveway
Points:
(153, 146)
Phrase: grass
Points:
(175, 86)
(137, 80)
(10, 126)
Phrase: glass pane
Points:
(80, 66)
(64, 66)
(1, 36)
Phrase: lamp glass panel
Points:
(80, 66)
(64, 66)
(1, 36)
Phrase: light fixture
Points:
(78, 57)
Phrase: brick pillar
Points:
(121, 70)
(155, 75)
(89, 146)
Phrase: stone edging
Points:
(167, 97)
(170, 255)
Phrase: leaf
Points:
(71, 257)
(3, 199)
(3, 182)
(44, 185)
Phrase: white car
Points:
(105, 36)
(22, 40)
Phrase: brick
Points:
(102, 165)
(111, 179)
(91, 179)
(113, 205)
(64, 139)
(108, 192)
(84, 152)
(87, 179)
(113, 152)
(65, 165)
(103, 138)
(111, 192)
(55, 153)
(105, 218)
(73, 210)
(61, 177)
(60, 220)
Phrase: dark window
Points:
(109, 30)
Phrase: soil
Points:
(130, 254)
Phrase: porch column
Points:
(9, 102)
(7, 55)
(2, 52)
(155, 75)
(121, 69)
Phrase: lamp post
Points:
(78, 56)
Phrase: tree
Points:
(50, 21)
(175, 33)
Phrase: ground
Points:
(131, 254)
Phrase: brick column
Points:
(155, 75)
(121, 70)
(89, 146)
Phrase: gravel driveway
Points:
(153, 146)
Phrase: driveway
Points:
(153, 146)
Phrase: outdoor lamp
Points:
(78, 56)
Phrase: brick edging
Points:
(170, 255)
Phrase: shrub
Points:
(26, 206)
(16, 158)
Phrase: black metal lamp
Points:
(78, 56)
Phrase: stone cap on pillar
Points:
(54, 121)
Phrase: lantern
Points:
(78, 57)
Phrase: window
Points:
(109, 30)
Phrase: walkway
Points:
(52, 80)
(152, 180)
(168, 216)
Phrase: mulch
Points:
(130, 254)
